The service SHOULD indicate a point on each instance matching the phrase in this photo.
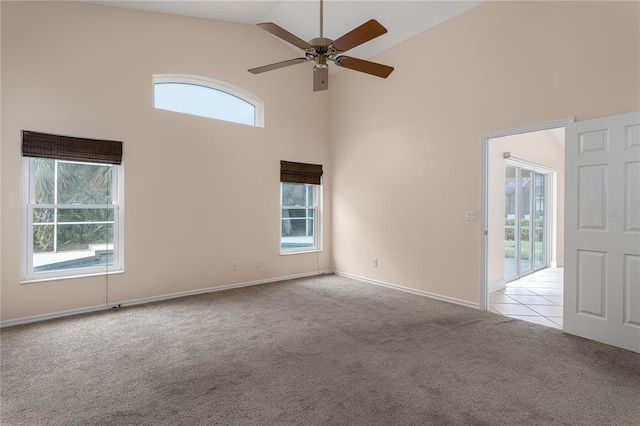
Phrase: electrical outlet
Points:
(234, 265)
(258, 263)
(374, 262)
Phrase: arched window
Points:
(207, 97)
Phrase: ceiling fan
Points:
(323, 49)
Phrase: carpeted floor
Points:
(316, 351)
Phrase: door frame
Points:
(484, 182)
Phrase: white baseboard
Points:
(497, 285)
(411, 290)
(44, 317)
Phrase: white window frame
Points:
(28, 204)
(219, 85)
(317, 223)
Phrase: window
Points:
(72, 216)
(299, 207)
(206, 97)
(299, 221)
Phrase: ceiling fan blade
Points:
(320, 78)
(277, 65)
(361, 65)
(365, 32)
(285, 35)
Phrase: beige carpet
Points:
(317, 351)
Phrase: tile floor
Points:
(535, 298)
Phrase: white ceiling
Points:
(558, 134)
(403, 19)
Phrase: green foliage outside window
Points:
(509, 234)
(509, 231)
(72, 184)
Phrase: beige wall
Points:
(540, 148)
(199, 193)
(402, 155)
(406, 151)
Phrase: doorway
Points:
(523, 218)
(530, 289)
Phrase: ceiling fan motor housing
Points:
(322, 48)
(320, 42)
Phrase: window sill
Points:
(70, 277)
(287, 253)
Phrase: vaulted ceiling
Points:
(403, 19)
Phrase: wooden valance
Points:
(300, 172)
(44, 145)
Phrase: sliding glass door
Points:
(540, 207)
(524, 213)
(511, 248)
(525, 222)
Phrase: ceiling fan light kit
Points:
(323, 49)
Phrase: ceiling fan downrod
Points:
(321, 17)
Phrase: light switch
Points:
(471, 215)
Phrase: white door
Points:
(602, 230)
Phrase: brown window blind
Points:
(300, 172)
(44, 145)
